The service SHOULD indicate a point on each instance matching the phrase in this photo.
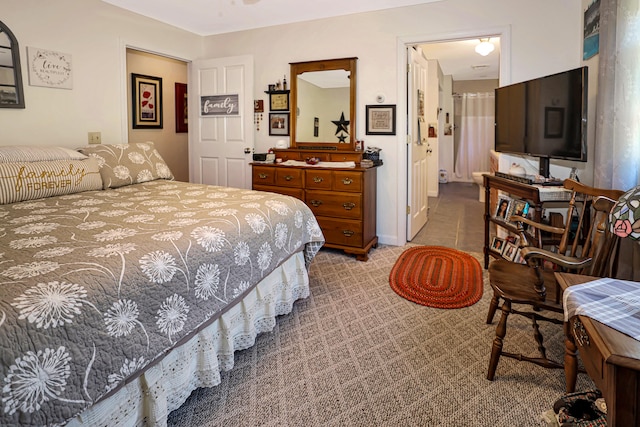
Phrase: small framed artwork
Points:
(502, 210)
(510, 251)
(279, 101)
(381, 120)
(182, 106)
(316, 126)
(278, 124)
(258, 106)
(497, 244)
(146, 101)
(519, 258)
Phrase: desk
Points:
(537, 195)
(611, 358)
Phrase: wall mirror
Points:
(11, 95)
(323, 104)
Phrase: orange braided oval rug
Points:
(438, 277)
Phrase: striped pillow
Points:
(35, 180)
(33, 153)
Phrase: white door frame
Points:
(402, 43)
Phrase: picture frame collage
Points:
(507, 246)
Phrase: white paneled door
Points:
(418, 150)
(221, 137)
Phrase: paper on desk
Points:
(612, 302)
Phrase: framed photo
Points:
(518, 258)
(553, 122)
(146, 101)
(497, 244)
(503, 208)
(510, 251)
(519, 208)
(182, 108)
(513, 239)
(381, 120)
(279, 101)
(278, 124)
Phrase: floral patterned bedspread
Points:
(96, 286)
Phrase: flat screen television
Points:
(544, 117)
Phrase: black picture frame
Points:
(146, 101)
(279, 100)
(278, 124)
(380, 119)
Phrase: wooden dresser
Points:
(343, 199)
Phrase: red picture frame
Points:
(182, 108)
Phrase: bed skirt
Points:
(149, 398)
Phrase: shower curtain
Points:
(476, 134)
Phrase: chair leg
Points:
(501, 331)
(493, 306)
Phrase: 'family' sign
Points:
(219, 105)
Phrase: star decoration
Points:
(342, 138)
(342, 124)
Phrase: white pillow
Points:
(34, 153)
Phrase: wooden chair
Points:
(583, 245)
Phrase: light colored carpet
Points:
(356, 354)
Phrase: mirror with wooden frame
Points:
(323, 104)
(11, 94)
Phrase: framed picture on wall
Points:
(278, 124)
(182, 105)
(146, 101)
(381, 120)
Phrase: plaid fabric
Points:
(613, 302)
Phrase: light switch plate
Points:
(95, 138)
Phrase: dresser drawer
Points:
(589, 352)
(318, 179)
(331, 203)
(263, 175)
(287, 155)
(346, 157)
(298, 193)
(347, 181)
(341, 231)
(289, 177)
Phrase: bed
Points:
(122, 290)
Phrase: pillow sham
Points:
(21, 181)
(126, 164)
(36, 153)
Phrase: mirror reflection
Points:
(323, 112)
(323, 104)
(10, 74)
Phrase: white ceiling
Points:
(460, 60)
(209, 17)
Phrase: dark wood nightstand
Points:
(611, 358)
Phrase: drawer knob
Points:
(347, 181)
(348, 205)
(580, 333)
(316, 203)
(262, 175)
(317, 179)
(348, 233)
(288, 177)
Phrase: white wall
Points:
(95, 34)
(546, 37)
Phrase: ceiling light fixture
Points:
(485, 47)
